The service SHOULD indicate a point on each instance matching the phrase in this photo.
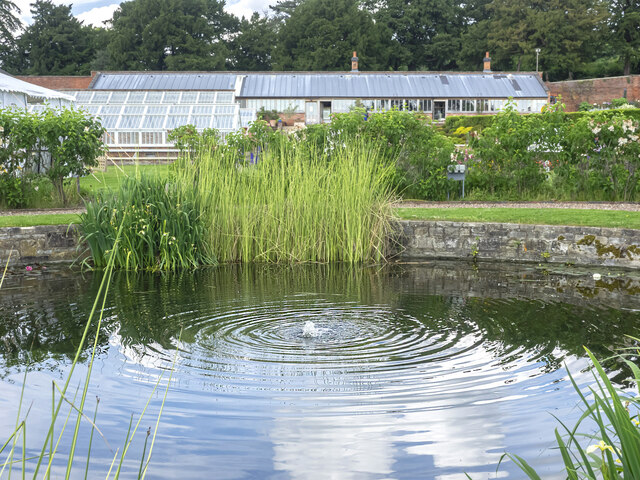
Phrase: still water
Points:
(406, 372)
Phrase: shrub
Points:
(189, 140)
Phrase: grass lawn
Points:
(541, 216)
(32, 220)
(114, 175)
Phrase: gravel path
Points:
(629, 207)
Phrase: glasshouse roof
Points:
(390, 85)
(164, 81)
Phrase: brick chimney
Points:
(354, 62)
(487, 63)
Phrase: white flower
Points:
(610, 128)
(86, 129)
(622, 141)
(1, 129)
(596, 130)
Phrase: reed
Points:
(612, 438)
(42, 463)
(162, 226)
(298, 203)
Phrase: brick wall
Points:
(595, 90)
(59, 82)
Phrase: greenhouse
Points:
(139, 109)
(21, 94)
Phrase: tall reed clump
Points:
(613, 438)
(297, 203)
(163, 228)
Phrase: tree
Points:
(251, 49)
(170, 35)
(55, 44)
(9, 24)
(625, 31)
(427, 31)
(322, 35)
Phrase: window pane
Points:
(83, 97)
(202, 110)
(174, 121)
(136, 97)
(189, 97)
(100, 97)
(109, 121)
(133, 109)
(171, 97)
(225, 109)
(223, 122)
(201, 121)
(224, 97)
(153, 97)
(130, 121)
(91, 109)
(153, 121)
(153, 110)
(118, 97)
(179, 109)
(207, 97)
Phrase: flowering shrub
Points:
(59, 143)
(605, 158)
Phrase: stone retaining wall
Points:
(41, 244)
(520, 243)
(418, 240)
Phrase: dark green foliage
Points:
(9, 24)
(251, 49)
(322, 35)
(170, 35)
(56, 43)
(162, 227)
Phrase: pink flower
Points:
(29, 268)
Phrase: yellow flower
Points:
(600, 446)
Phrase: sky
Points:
(95, 12)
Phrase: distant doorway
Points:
(439, 110)
(325, 108)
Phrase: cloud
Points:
(245, 8)
(96, 16)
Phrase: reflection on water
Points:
(407, 371)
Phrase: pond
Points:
(408, 371)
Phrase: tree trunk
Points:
(627, 65)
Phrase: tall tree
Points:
(251, 49)
(427, 31)
(56, 43)
(625, 31)
(9, 25)
(170, 35)
(322, 35)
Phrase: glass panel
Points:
(100, 97)
(83, 97)
(468, 105)
(174, 121)
(133, 109)
(224, 97)
(110, 109)
(225, 109)
(153, 97)
(202, 110)
(201, 121)
(153, 121)
(153, 110)
(179, 110)
(136, 97)
(171, 97)
(109, 121)
(223, 122)
(152, 138)
(189, 97)
(91, 109)
(207, 97)
(118, 97)
(128, 138)
(130, 121)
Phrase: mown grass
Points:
(33, 220)
(115, 175)
(540, 216)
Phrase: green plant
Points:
(189, 140)
(164, 226)
(298, 203)
(614, 450)
(585, 107)
(545, 255)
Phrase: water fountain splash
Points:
(310, 330)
